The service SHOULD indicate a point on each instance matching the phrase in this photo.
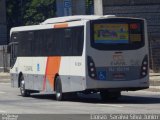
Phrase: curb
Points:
(5, 77)
(5, 80)
(154, 80)
(153, 89)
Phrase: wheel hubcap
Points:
(58, 95)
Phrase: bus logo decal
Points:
(102, 75)
(38, 67)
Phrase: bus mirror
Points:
(9, 49)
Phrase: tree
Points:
(89, 7)
(13, 13)
(39, 10)
(29, 12)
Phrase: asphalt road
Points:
(139, 102)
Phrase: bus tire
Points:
(110, 96)
(58, 89)
(23, 91)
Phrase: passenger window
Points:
(67, 33)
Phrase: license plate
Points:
(119, 76)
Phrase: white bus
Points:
(103, 54)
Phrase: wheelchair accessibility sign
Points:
(102, 75)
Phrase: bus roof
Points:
(46, 24)
(74, 18)
(59, 20)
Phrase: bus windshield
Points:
(117, 34)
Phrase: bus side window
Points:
(77, 41)
(67, 33)
(25, 43)
(30, 42)
(67, 43)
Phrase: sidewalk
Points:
(154, 81)
(4, 77)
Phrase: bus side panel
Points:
(49, 87)
(33, 70)
(72, 73)
(76, 80)
(34, 82)
(40, 77)
(14, 74)
(38, 82)
(29, 81)
(72, 80)
(72, 84)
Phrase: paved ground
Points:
(155, 79)
(130, 102)
(4, 77)
(145, 101)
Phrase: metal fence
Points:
(4, 59)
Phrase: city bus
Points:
(80, 54)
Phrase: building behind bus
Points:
(148, 9)
(3, 36)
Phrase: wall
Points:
(3, 28)
(4, 59)
(148, 9)
(3, 37)
(70, 7)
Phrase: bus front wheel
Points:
(23, 91)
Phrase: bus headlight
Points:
(91, 68)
